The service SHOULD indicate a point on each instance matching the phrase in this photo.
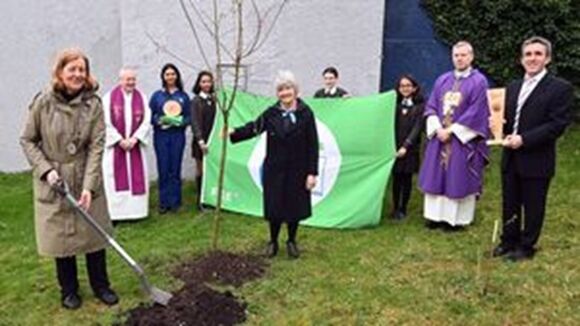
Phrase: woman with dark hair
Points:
(203, 109)
(170, 116)
(408, 125)
(63, 139)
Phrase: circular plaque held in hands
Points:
(172, 108)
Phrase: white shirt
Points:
(528, 86)
(330, 91)
(462, 74)
(407, 102)
(203, 95)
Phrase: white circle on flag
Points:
(329, 160)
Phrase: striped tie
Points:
(524, 93)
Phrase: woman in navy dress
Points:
(170, 117)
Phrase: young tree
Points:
(229, 18)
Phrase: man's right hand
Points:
(52, 177)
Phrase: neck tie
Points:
(524, 93)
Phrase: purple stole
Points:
(120, 166)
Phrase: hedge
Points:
(497, 28)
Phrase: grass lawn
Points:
(396, 273)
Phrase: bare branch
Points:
(258, 29)
(194, 32)
(271, 27)
(164, 49)
(239, 49)
(202, 19)
(216, 36)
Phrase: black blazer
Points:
(408, 129)
(544, 117)
(340, 92)
(291, 155)
(202, 119)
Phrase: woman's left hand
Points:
(401, 152)
(86, 199)
(203, 147)
(310, 182)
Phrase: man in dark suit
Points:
(538, 110)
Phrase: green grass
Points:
(397, 273)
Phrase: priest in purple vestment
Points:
(457, 116)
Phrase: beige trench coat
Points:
(68, 137)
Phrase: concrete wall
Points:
(148, 33)
(32, 33)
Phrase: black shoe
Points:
(501, 250)
(271, 249)
(401, 215)
(453, 228)
(520, 254)
(292, 249)
(394, 214)
(163, 210)
(432, 225)
(71, 301)
(107, 296)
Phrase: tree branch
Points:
(201, 16)
(271, 27)
(163, 48)
(194, 32)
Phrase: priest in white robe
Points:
(125, 174)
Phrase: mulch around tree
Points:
(224, 268)
(198, 304)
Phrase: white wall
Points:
(32, 33)
(309, 36)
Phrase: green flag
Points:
(357, 151)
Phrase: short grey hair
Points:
(286, 78)
(126, 69)
(461, 44)
(541, 40)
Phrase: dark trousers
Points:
(198, 182)
(523, 228)
(66, 272)
(169, 146)
(402, 186)
(275, 227)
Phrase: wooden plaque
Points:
(496, 98)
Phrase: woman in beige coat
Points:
(63, 138)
